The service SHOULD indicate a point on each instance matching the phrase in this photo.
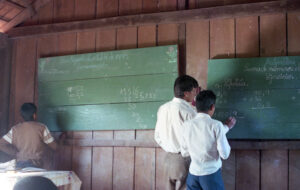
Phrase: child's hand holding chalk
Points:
(230, 122)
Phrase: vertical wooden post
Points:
(5, 72)
(5, 65)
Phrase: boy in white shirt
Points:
(168, 131)
(204, 140)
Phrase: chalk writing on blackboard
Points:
(232, 82)
(136, 116)
(135, 93)
(263, 93)
(172, 53)
(75, 92)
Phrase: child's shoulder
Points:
(216, 122)
(34, 124)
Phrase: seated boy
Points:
(35, 183)
(28, 139)
(204, 139)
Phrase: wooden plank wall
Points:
(118, 168)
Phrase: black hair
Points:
(204, 100)
(27, 111)
(184, 83)
(35, 183)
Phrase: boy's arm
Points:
(48, 139)
(183, 146)
(229, 124)
(158, 125)
(8, 148)
(6, 144)
(157, 137)
(53, 145)
(222, 142)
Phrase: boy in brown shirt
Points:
(28, 139)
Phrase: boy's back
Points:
(205, 140)
(171, 116)
(29, 138)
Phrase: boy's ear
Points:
(185, 93)
(212, 107)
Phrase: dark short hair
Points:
(35, 183)
(27, 110)
(184, 83)
(204, 100)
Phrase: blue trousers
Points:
(206, 182)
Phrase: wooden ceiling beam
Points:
(11, 4)
(230, 11)
(2, 22)
(25, 14)
(23, 3)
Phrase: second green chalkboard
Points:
(262, 93)
(116, 90)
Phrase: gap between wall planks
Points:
(86, 42)
(11, 116)
(102, 171)
(123, 172)
(124, 159)
(23, 74)
(197, 50)
(166, 34)
(66, 44)
(273, 162)
(145, 157)
(46, 46)
(293, 48)
(247, 161)
(222, 45)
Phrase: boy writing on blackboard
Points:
(204, 140)
(27, 140)
(168, 130)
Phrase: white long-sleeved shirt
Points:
(204, 139)
(170, 119)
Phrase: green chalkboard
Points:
(262, 93)
(115, 90)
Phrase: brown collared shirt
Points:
(30, 139)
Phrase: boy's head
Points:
(35, 183)
(28, 111)
(185, 87)
(205, 102)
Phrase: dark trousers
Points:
(206, 182)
